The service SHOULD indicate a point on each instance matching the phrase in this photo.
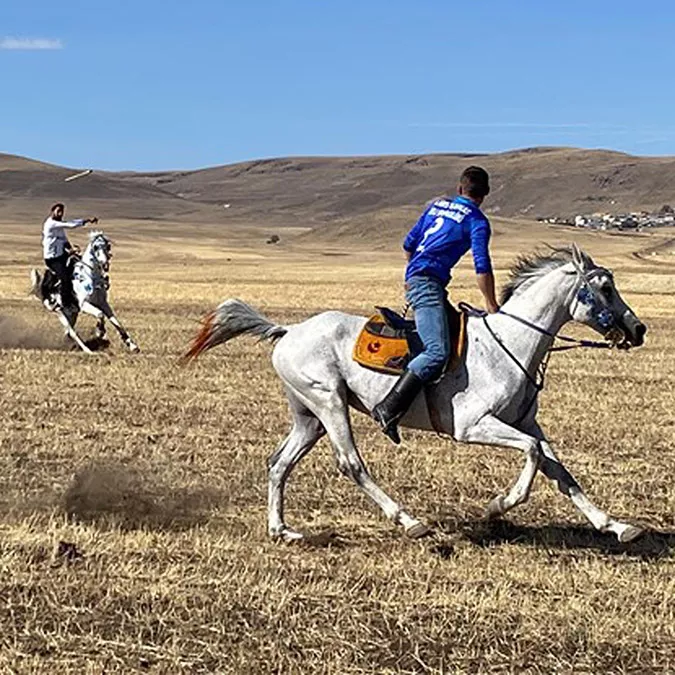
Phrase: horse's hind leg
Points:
(306, 431)
(72, 333)
(335, 418)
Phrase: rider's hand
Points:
(486, 283)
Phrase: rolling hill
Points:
(28, 188)
(344, 194)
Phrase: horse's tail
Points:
(36, 284)
(229, 320)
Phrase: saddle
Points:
(389, 341)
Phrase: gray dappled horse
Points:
(90, 278)
(490, 399)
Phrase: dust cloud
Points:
(129, 497)
(16, 333)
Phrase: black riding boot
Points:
(395, 404)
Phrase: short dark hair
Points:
(56, 206)
(475, 182)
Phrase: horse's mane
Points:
(528, 268)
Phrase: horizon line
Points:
(272, 158)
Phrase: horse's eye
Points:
(606, 290)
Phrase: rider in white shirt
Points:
(57, 248)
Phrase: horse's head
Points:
(100, 249)
(597, 303)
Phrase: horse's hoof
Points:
(631, 533)
(495, 509)
(134, 348)
(417, 531)
(287, 535)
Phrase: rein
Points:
(538, 380)
(574, 343)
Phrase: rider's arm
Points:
(80, 222)
(486, 284)
(414, 236)
(480, 240)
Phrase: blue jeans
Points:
(428, 297)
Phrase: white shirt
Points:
(53, 236)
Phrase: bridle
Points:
(587, 295)
(98, 243)
(584, 294)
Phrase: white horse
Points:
(490, 399)
(91, 282)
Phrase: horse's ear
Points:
(577, 257)
(588, 261)
(582, 261)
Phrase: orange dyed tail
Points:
(229, 320)
(203, 340)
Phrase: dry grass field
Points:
(133, 491)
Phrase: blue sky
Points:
(146, 84)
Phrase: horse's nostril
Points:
(640, 330)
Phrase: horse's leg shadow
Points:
(653, 544)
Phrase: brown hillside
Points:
(535, 182)
(28, 188)
(345, 191)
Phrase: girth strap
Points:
(432, 408)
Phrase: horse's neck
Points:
(89, 259)
(544, 305)
(545, 302)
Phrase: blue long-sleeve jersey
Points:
(443, 234)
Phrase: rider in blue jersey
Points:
(443, 234)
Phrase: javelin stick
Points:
(78, 175)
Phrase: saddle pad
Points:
(379, 348)
(384, 350)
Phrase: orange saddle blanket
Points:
(388, 347)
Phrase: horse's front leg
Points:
(554, 470)
(125, 337)
(491, 431)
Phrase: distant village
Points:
(636, 221)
